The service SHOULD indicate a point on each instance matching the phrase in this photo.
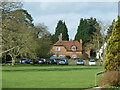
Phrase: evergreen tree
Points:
(80, 30)
(85, 30)
(112, 60)
(61, 28)
(109, 31)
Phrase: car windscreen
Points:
(41, 60)
(23, 59)
(92, 60)
(80, 60)
(62, 60)
(52, 60)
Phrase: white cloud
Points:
(43, 5)
(51, 13)
(70, 0)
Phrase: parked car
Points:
(41, 61)
(52, 61)
(24, 60)
(30, 61)
(63, 62)
(80, 62)
(92, 62)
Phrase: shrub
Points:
(93, 58)
(110, 78)
(82, 56)
(68, 57)
(112, 59)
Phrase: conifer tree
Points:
(85, 30)
(109, 31)
(61, 28)
(112, 60)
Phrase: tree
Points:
(44, 41)
(112, 60)
(61, 28)
(85, 30)
(16, 31)
(98, 39)
(21, 38)
(109, 31)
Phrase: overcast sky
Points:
(50, 13)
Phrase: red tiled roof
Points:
(68, 44)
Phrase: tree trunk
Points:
(13, 61)
(5, 59)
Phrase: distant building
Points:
(68, 48)
(99, 54)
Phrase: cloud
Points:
(43, 6)
(50, 13)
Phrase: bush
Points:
(112, 59)
(93, 58)
(68, 57)
(110, 78)
(82, 56)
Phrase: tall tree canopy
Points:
(61, 28)
(112, 60)
(85, 30)
(109, 31)
(44, 40)
(19, 35)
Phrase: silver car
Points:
(80, 62)
(63, 62)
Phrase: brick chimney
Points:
(81, 44)
(80, 40)
(60, 37)
(70, 39)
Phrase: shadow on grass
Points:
(51, 69)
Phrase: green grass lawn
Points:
(49, 76)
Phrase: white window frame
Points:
(74, 56)
(61, 55)
(73, 48)
(57, 48)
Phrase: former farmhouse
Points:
(68, 48)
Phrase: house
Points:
(100, 52)
(68, 48)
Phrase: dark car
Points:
(24, 60)
(52, 61)
(63, 62)
(30, 61)
(41, 61)
(80, 62)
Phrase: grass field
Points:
(49, 76)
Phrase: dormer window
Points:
(73, 48)
(57, 48)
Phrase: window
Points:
(74, 56)
(61, 55)
(57, 48)
(73, 48)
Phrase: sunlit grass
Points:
(49, 76)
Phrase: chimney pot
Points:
(60, 37)
(80, 40)
(70, 39)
